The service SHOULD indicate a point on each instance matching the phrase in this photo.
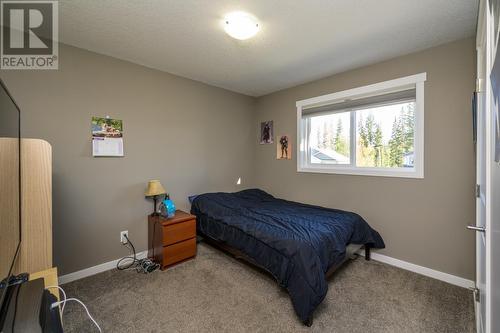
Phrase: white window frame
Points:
(303, 155)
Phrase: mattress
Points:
(295, 242)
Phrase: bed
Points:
(298, 244)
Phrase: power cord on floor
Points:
(63, 302)
(61, 308)
(132, 263)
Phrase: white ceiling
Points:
(299, 40)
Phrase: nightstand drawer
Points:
(178, 252)
(178, 232)
(172, 240)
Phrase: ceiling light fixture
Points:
(241, 25)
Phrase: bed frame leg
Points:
(367, 253)
(309, 321)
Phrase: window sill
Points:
(398, 173)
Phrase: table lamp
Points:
(154, 190)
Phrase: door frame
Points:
(480, 163)
(485, 43)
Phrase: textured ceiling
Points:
(299, 40)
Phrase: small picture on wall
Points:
(284, 148)
(107, 128)
(107, 137)
(266, 132)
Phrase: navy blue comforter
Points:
(296, 243)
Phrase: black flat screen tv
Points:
(10, 187)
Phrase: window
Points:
(375, 130)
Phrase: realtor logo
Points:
(29, 32)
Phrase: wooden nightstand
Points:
(172, 240)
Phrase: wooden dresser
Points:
(172, 240)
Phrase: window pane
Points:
(329, 139)
(385, 136)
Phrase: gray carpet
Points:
(216, 293)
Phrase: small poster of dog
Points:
(107, 128)
(107, 137)
(284, 148)
(266, 132)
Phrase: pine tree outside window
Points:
(375, 130)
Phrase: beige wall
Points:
(193, 137)
(197, 138)
(421, 221)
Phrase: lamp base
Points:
(155, 211)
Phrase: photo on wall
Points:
(266, 132)
(107, 137)
(284, 148)
(107, 127)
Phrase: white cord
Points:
(64, 294)
(84, 306)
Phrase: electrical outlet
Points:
(124, 233)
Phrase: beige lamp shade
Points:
(155, 188)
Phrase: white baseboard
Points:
(452, 279)
(95, 269)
